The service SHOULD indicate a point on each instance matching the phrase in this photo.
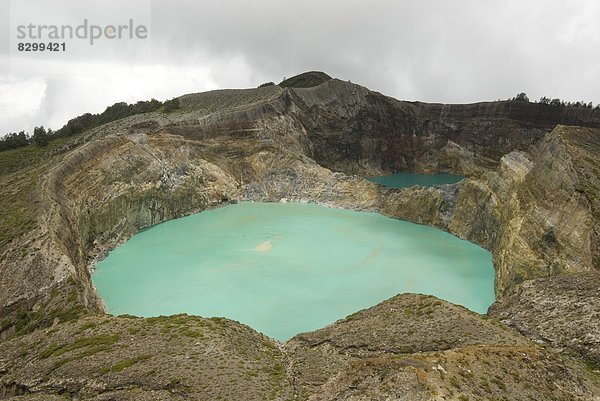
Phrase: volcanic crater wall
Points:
(355, 130)
(527, 198)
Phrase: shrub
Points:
(521, 97)
(40, 137)
(171, 105)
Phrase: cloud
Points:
(20, 100)
(436, 51)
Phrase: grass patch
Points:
(88, 325)
(591, 368)
(20, 158)
(455, 382)
(191, 333)
(62, 305)
(133, 330)
(97, 341)
(124, 364)
(20, 170)
(169, 320)
(278, 371)
(79, 356)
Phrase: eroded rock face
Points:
(470, 373)
(538, 212)
(562, 312)
(405, 324)
(355, 130)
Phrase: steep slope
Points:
(538, 212)
(405, 324)
(358, 131)
(562, 312)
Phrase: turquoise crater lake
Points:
(287, 268)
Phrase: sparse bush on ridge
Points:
(171, 105)
(14, 140)
(77, 125)
(40, 136)
(522, 97)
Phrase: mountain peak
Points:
(306, 80)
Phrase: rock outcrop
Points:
(470, 373)
(405, 324)
(355, 130)
(538, 212)
(562, 312)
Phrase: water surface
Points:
(402, 180)
(288, 268)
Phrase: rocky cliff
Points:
(531, 197)
(561, 312)
(355, 130)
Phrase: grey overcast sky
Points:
(456, 51)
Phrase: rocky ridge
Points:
(410, 347)
(560, 312)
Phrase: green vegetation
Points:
(278, 371)
(77, 357)
(16, 219)
(133, 330)
(14, 140)
(87, 325)
(191, 333)
(79, 124)
(22, 157)
(18, 196)
(266, 84)
(97, 341)
(591, 368)
(305, 80)
(124, 364)
(354, 315)
(40, 136)
(62, 306)
(171, 105)
(115, 112)
(522, 97)
(180, 319)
